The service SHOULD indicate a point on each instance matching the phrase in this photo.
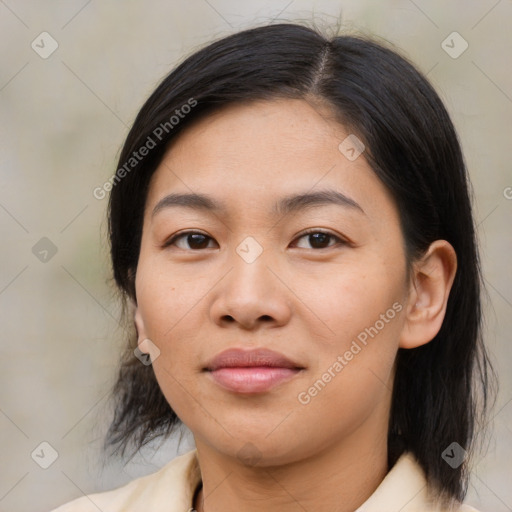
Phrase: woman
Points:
(291, 227)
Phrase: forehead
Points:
(254, 155)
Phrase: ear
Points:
(142, 339)
(430, 286)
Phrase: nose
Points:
(251, 295)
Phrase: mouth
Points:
(251, 371)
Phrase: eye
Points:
(195, 239)
(320, 239)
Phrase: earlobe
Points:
(431, 282)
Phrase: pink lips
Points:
(251, 371)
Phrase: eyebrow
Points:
(285, 206)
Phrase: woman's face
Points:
(332, 304)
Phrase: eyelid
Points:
(180, 234)
(340, 240)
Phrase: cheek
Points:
(362, 308)
(168, 298)
(353, 299)
(353, 376)
(169, 306)
(362, 389)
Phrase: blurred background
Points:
(73, 75)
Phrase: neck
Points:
(341, 477)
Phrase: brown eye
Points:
(194, 239)
(320, 239)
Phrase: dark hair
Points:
(441, 389)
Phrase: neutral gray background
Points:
(63, 120)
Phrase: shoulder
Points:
(405, 488)
(169, 488)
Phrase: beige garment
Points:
(171, 489)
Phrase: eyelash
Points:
(173, 239)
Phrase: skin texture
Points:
(269, 451)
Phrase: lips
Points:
(251, 371)
(238, 358)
